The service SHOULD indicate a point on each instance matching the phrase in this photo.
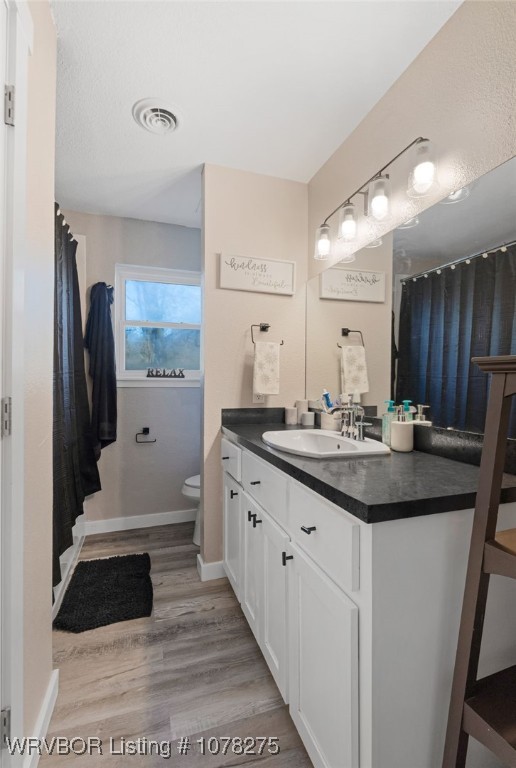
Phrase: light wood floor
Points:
(192, 669)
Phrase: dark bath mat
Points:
(106, 591)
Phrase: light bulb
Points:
(379, 203)
(347, 223)
(322, 243)
(423, 175)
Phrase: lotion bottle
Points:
(402, 432)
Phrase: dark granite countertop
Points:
(378, 488)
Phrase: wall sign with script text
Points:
(352, 285)
(243, 273)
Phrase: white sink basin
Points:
(322, 444)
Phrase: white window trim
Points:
(124, 272)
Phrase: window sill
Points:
(158, 382)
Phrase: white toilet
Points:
(192, 490)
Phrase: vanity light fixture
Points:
(379, 198)
(322, 243)
(423, 176)
(347, 223)
(376, 191)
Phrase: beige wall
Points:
(39, 323)
(247, 214)
(143, 479)
(459, 93)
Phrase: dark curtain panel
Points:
(75, 473)
(100, 342)
(445, 320)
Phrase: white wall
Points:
(38, 366)
(459, 93)
(247, 214)
(143, 479)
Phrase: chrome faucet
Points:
(353, 423)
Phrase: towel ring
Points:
(346, 332)
(264, 327)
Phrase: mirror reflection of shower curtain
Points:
(75, 473)
(445, 320)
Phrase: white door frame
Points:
(20, 36)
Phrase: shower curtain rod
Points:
(453, 264)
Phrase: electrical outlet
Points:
(258, 398)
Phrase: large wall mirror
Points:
(451, 296)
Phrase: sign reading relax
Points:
(244, 273)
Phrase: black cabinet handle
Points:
(255, 482)
(308, 530)
(233, 494)
(285, 557)
(255, 521)
(225, 458)
(250, 516)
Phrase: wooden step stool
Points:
(485, 709)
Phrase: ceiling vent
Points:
(154, 118)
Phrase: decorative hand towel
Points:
(266, 368)
(353, 368)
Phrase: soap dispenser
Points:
(386, 422)
(402, 432)
(419, 418)
(408, 410)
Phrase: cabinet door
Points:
(275, 623)
(252, 581)
(323, 680)
(233, 533)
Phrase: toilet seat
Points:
(192, 487)
(194, 481)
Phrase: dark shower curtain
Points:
(445, 320)
(75, 473)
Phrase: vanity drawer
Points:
(231, 459)
(266, 485)
(334, 544)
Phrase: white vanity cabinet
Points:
(305, 624)
(274, 641)
(252, 571)
(233, 560)
(323, 673)
(378, 696)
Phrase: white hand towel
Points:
(353, 368)
(266, 368)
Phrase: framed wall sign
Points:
(352, 285)
(243, 273)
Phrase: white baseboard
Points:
(209, 571)
(89, 527)
(68, 561)
(43, 720)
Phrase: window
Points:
(158, 324)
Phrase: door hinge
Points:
(9, 105)
(5, 726)
(6, 416)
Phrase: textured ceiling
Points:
(269, 87)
